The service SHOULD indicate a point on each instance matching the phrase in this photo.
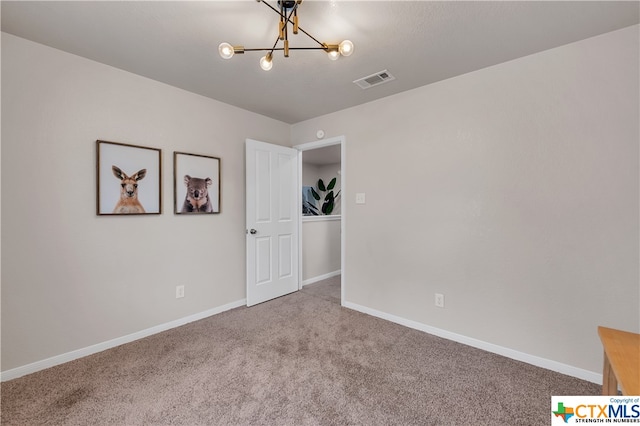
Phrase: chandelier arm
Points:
(285, 23)
(271, 49)
(312, 37)
(276, 43)
(306, 48)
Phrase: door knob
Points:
(253, 231)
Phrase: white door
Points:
(272, 221)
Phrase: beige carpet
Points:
(297, 360)
(328, 289)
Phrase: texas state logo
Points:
(565, 413)
(595, 409)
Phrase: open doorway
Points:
(322, 188)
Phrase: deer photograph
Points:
(128, 202)
(128, 179)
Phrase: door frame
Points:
(342, 141)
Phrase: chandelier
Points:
(288, 11)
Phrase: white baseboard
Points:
(489, 347)
(14, 373)
(321, 277)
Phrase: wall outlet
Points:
(179, 291)
(360, 198)
(440, 300)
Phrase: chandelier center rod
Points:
(288, 19)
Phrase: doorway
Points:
(322, 185)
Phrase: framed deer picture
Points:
(128, 179)
(196, 183)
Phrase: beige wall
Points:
(320, 247)
(512, 190)
(320, 237)
(71, 279)
(310, 173)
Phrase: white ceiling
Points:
(322, 156)
(419, 42)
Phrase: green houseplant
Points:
(325, 195)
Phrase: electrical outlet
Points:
(179, 291)
(440, 300)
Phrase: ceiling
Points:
(418, 42)
(322, 156)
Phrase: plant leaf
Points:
(329, 196)
(324, 207)
(315, 194)
(321, 185)
(327, 207)
(332, 184)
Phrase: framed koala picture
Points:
(196, 183)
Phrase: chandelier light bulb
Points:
(226, 50)
(333, 55)
(265, 62)
(346, 48)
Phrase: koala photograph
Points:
(196, 183)
(197, 198)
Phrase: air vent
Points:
(374, 79)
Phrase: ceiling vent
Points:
(374, 79)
